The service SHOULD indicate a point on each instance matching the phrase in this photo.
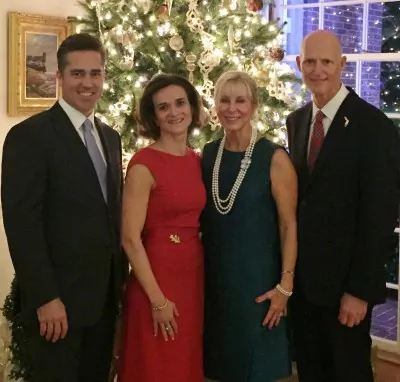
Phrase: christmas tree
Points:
(196, 39)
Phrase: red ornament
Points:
(162, 12)
(276, 54)
(163, 9)
(255, 5)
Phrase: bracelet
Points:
(287, 272)
(162, 307)
(283, 291)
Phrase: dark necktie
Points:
(95, 155)
(317, 139)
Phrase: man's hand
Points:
(352, 310)
(53, 320)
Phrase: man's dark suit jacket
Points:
(63, 238)
(348, 204)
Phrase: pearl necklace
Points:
(224, 206)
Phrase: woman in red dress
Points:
(163, 198)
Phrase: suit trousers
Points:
(326, 350)
(85, 354)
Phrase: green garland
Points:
(19, 357)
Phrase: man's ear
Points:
(298, 63)
(59, 77)
(343, 62)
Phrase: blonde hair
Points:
(237, 77)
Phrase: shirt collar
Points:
(331, 108)
(75, 116)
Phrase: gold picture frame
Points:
(33, 41)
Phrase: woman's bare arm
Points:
(284, 191)
(138, 185)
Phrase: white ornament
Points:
(224, 206)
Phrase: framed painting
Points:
(33, 41)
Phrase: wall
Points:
(62, 8)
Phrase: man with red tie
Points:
(347, 156)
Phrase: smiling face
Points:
(82, 80)
(234, 105)
(321, 64)
(172, 110)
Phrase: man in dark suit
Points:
(347, 156)
(61, 197)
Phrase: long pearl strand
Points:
(224, 206)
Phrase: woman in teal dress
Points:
(250, 242)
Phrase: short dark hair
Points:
(78, 42)
(147, 114)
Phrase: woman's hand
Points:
(277, 308)
(164, 320)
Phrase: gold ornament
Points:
(127, 62)
(176, 43)
(210, 60)
(118, 34)
(131, 37)
(276, 54)
(262, 77)
(191, 66)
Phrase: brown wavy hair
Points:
(147, 115)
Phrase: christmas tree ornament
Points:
(255, 5)
(191, 66)
(276, 54)
(145, 5)
(275, 87)
(176, 43)
(231, 38)
(169, 5)
(262, 77)
(127, 62)
(163, 12)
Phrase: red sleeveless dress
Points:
(174, 208)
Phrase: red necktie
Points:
(317, 139)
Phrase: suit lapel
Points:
(303, 134)
(333, 137)
(300, 146)
(70, 137)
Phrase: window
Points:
(370, 35)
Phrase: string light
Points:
(128, 31)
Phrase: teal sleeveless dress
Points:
(242, 261)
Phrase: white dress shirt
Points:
(77, 119)
(329, 110)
